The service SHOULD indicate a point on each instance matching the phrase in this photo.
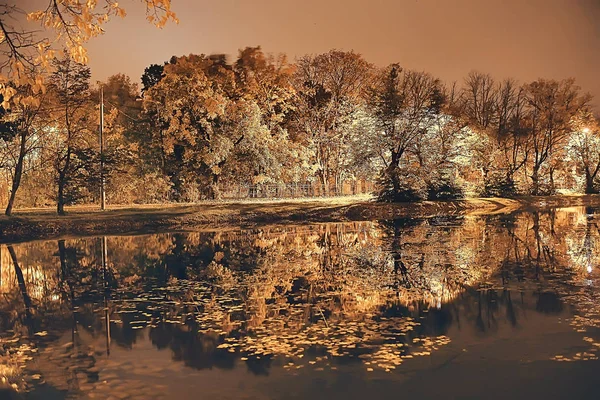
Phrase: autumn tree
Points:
(151, 76)
(25, 58)
(511, 133)
(127, 160)
(190, 103)
(26, 54)
(438, 149)
(266, 81)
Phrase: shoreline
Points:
(44, 224)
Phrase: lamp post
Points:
(102, 191)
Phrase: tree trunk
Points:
(589, 183)
(535, 180)
(62, 181)
(60, 200)
(214, 192)
(510, 188)
(392, 174)
(16, 181)
(323, 179)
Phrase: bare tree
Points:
(551, 110)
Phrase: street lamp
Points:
(102, 190)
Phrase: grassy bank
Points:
(34, 224)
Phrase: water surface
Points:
(465, 307)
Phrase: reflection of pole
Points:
(102, 192)
(105, 279)
(588, 245)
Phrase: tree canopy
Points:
(209, 127)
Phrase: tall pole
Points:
(102, 192)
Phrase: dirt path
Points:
(35, 224)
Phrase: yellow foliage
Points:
(74, 23)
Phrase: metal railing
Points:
(294, 190)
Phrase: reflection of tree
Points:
(22, 288)
(196, 350)
(308, 296)
(433, 260)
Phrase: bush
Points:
(444, 190)
(498, 185)
(411, 187)
(145, 189)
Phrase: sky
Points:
(522, 39)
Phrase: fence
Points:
(294, 190)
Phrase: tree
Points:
(71, 88)
(269, 154)
(438, 149)
(268, 81)
(495, 112)
(329, 91)
(123, 155)
(551, 110)
(152, 75)
(511, 133)
(405, 106)
(478, 98)
(22, 136)
(214, 123)
(190, 103)
(26, 54)
(584, 148)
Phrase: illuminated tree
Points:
(329, 87)
(495, 112)
(584, 148)
(551, 110)
(405, 105)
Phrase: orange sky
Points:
(524, 39)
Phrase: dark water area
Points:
(497, 306)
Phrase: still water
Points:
(500, 306)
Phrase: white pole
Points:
(102, 191)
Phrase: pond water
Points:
(497, 306)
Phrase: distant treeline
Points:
(201, 123)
